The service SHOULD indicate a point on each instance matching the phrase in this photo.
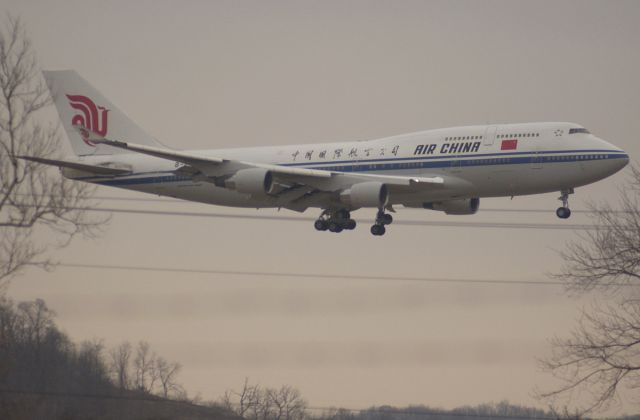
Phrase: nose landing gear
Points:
(564, 212)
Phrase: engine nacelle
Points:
(251, 181)
(366, 194)
(460, 206)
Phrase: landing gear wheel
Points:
(321, 225)
(334, 220)
(378, 230)
(382, 219)
(563, 212)
(335, 227)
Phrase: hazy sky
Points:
(201, 74)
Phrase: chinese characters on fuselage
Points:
(353, 153)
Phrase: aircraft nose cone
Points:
(624, 161)
(617, 161)
(617, 158)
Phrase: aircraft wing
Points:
(295, 183)
(211, 166)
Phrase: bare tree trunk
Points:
(120, 365)
(166, 373)
(30, 195)
(144, 363)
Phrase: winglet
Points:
(88, 135)
(93, 137)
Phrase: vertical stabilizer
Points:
(79, 103)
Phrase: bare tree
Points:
(37, 321)
(119, 365)
(286, 403)
(245, 402)
(257, 403)
(92, 372)
(166, 373)
(30, 195)
(602, 356)
(144, 364)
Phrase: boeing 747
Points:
(446, 169)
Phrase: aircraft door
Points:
(490, 135)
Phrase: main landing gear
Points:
(564, 212)
(335, 221)
(339, 220)
(382, 219)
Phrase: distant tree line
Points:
(139, 369)
(44, 375)
(254, 402)
(501, 410)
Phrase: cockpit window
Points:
(578, 130)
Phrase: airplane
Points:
(446, 169)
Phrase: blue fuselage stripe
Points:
(454, 156)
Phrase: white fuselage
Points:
(479, 161)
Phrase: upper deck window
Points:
(578, 130)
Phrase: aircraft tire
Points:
(350, 224)
(321, 225)
(563, 212)
(377, 230)
(335, 227)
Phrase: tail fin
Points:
(79, 103)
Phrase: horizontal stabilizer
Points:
(98, 170)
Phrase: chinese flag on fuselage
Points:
(509, 144)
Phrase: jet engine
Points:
(365, 194)
(460, 206)
(251, 181)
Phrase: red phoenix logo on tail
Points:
(91, 117)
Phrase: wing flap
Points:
(405, 181)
